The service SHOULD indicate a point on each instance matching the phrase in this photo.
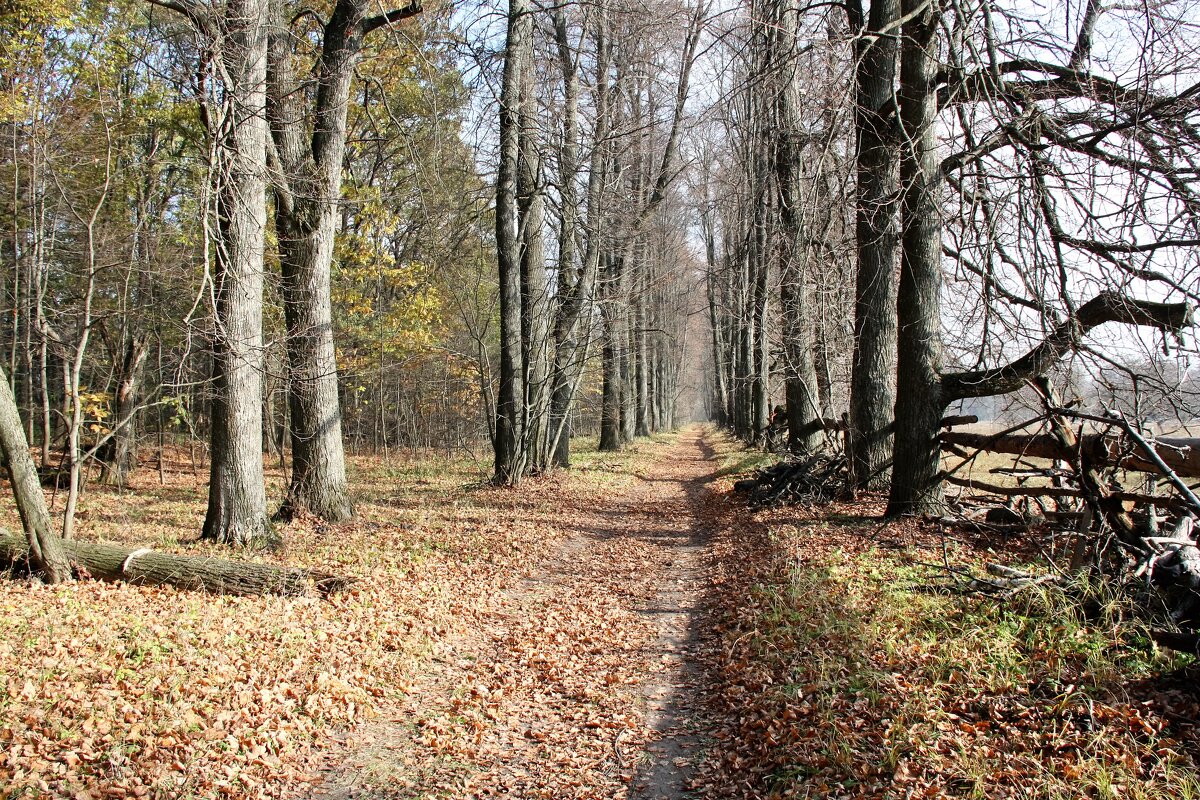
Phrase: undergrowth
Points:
(853, 671)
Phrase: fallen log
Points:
(147, 567)
(1160, 501)
(1180, 454)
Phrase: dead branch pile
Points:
(808, 480)
(1097, 494)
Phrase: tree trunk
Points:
(117, 457)
(576, 288)
(874, 359)
(306, 222)
(920, 401)
(509, 462)
(760, 366)
(624, 326)
(800, 376)
(43, 545)
(610, 401)
(145, 567)
(716, 319)
(535, 291)
(641, 353)
(237, 512)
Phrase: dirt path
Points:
(574, 679)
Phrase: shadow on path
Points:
(674, 696)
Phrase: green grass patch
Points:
(882, 687)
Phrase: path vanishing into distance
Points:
(583, 676)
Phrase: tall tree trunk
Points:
(641, 354)
(760, 357)
(626, 357)
(716, 322)
(744, 421)
(800, 377)
(509, 461)
(307, 191)
(874, 360)
(237, 504)
(920, 400)
(576, 287)
(611, 401)
(535, 290)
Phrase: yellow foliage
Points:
(96, 407)
(24, 27)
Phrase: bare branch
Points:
(1105, 307)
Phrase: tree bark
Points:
(576, 287)
(117, 457)
(509, 461)
(920, 401)
(45, 549)
(611, 402)
(307, 191)
(237, 511)
(641, 353)
(874, 359)
(760, 357)
(535, 291)
(800, 376)
(565, 318)
(716, 320)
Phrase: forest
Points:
(599, 399)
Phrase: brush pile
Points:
(1098, 496)
(808, 480)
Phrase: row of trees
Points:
(595, 137)
(1042, 161)
(257, 223)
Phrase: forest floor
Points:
(625, 629)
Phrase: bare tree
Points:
(1052, 236)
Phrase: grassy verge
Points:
(851, 672)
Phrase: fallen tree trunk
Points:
(1180, 454)
(143, 566)
(1160, 501)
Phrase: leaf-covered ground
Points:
(850, 668)
(116, 690)
(626, 629)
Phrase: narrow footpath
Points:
(576, 679)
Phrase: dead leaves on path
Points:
(125, 691)
(501, 643)
(543, 699)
